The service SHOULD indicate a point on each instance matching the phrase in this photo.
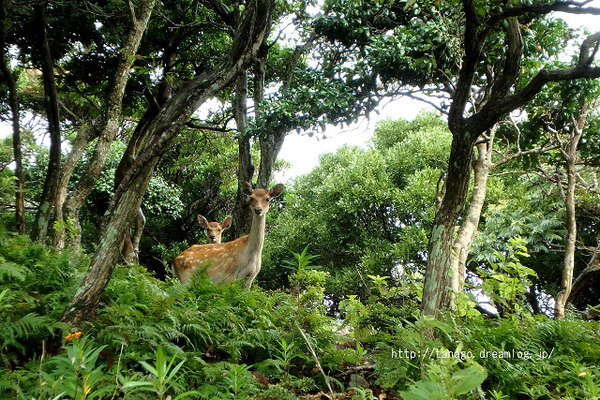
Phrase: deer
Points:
(214, 229)
(238, 259)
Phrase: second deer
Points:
(214, 230)
(238, 259)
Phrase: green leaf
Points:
(468, 379)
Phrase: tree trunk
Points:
(107, 256)
(110, 123)
(77, 147)
(570, 156)
(466, 233)
(18, 156)
(241, 220)
(265, 138)
(441, 273)
(122, 209)
(48, 200)
(131, 242)
(10, 79)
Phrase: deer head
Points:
(214, 229)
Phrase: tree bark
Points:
(83, 137)
(570, 156)
(48, 200)
(110, 122)
(241, 220)
(107, 256)
(13, 98)
(131, 241)
(441, 273)
(466, 233)
(267, 143)
(122, 209)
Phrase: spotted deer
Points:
(238, 259)
(214, 229)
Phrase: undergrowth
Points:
(159, 339)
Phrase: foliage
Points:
(364, 215)
(77, 374)
(204, 341)
(164, 377)
(363, 212)
(507, 280)
(442, 384)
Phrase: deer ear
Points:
(276, 191)
(246, 188)
(226, 222)
(203, 222)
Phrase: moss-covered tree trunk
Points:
(83, 137)
(467, 231)
(108, 255)
(441, 273)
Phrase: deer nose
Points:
(258, 210)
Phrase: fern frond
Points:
(10, 271)
(26, 326)
(198, 333)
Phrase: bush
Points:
(154, 339)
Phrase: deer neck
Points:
(257, 235)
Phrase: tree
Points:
(545, 211)
(297, 83)
(250, 33)
(10, 77)
(45, 61)
(565, 120)
(438, 290)
(109, 123)
(475, 55)
(364, 212)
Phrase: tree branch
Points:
(473, 44)
(586, 59)
(493, 110)
(571, 7)
(512, 65)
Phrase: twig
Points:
(41, 362)
(314, 356)
(117, 374)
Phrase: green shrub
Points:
(153, 339)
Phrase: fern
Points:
(10, 271)
(12, 332)
(197, 333)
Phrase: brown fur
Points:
(238, 259)
(214, 230)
